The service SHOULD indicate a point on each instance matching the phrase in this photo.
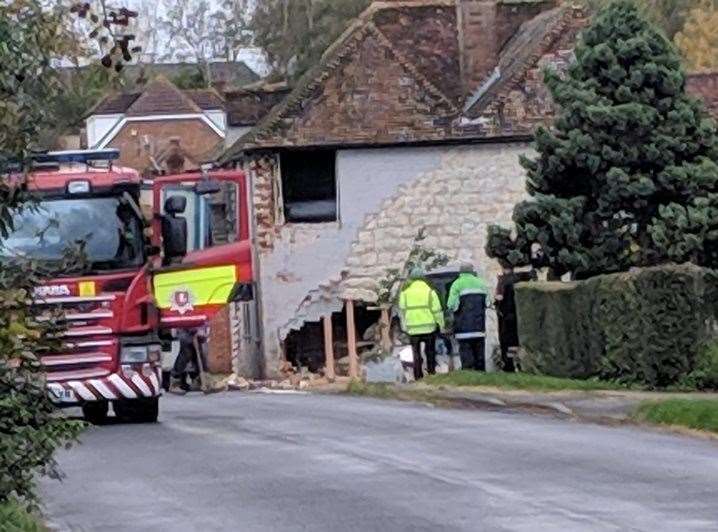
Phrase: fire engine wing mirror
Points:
(207, 186)
(174, 238)
(175, 205)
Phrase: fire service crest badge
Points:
(181, 301)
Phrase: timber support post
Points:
(328, 348)
(352, 341)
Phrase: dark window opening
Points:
(309, 186)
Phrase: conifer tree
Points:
(628, 174)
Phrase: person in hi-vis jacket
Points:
(422, 318)
(467, 302)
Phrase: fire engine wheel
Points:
(95, 412)
(145, 410)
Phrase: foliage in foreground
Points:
(518, 381)
(698, 414)
(705, 373)
(31, 38)
(14, 518)
(628, 174)
(29, 427)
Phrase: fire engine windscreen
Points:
(109, 228)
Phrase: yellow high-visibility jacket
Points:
(420, 308)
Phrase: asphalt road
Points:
(247, 462)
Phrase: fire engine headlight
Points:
(139, 354)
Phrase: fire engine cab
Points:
(138, 279)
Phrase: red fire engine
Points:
(133, 289)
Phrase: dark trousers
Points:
(188, 355)
(471, 351)
(429, 341)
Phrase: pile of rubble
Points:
(290, 379)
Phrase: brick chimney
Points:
(485, 26)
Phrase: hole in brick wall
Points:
(305, 348)
(309, 187)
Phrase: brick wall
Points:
(219, 359)
(196, 139)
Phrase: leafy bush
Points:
(705, 374)
(33, 35)
(14, 518)
(30, 430)
(647, 327)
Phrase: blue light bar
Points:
(77, 156)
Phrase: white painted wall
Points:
(218, 117)
(369, 180)
(98, 126)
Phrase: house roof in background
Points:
(206, 99)
(160, 96)
(248, 105)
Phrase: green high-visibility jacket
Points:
(420, 308)
(465, 283)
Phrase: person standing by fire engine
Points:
(187, 363)
(467, 302)
(422, 318)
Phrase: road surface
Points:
(250, 461)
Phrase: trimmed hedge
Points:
(647, 326)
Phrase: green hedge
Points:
(647, 326)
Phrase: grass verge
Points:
(518, 381)
(14, 518)
(698, 414)
(391, 391)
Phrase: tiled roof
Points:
(245, 107)
(522, 51)
(206, 99)
(395, 75)
(161, 96)
(115, 103)
(425, 35)
(424, 71)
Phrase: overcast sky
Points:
(252, 56)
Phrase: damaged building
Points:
(412, 122)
